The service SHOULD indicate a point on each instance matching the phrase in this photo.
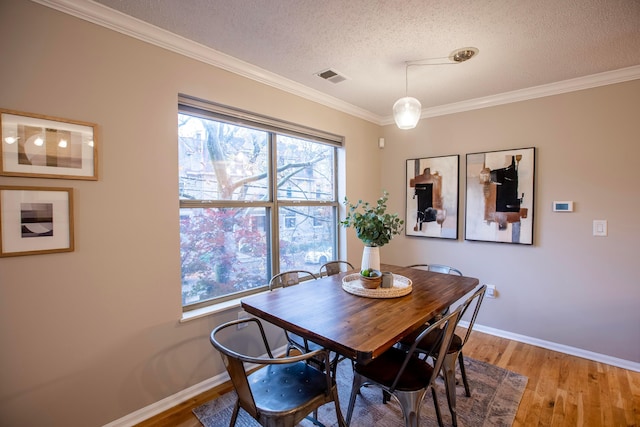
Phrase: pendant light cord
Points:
(406, 79)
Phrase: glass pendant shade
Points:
(406, 112)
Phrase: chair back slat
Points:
(290, 278)
(477, 297)
(334, 267)
(446, 328)
(237, 373)
(437, 268)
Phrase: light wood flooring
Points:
(562, 390)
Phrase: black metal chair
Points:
(291, 278)
(334, 267)
(285, 390)
(427, 346)
(402, 374)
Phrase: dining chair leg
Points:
(358, 381)
(410, 403)
(464, 374)
(449, 368)
(234, 416)
(437, 407)
(336, 403)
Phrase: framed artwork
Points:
(432, 197)
(35, 220)
(40, 146)
(500, 196)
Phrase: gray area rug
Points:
(495, 396)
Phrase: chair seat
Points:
(280, 388)
(384, 369)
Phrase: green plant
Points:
(372, 224)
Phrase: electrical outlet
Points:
(242, 315)
(491, 291)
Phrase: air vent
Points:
(332, 75)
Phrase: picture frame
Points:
(432, 202)
(35, 220)
(500, 191)
(35, 145)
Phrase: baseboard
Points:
(193, 391)
(561, 348)
(169, 402)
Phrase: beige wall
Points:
(570, 287)
(91, 336)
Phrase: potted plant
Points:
(374, 227)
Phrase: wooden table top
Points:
(359, 328)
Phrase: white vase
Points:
(370, 258)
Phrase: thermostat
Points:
(563, 206)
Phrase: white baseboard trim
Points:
(561, 348)
(184, 395)
(168, 402)
(174, 400)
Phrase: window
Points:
(257, 196)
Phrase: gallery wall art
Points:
(500, 196)
(432, 197)
(35, 220)
(34, 145)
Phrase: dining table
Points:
(360, 326)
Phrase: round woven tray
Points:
(401, 287)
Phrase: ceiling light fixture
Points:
(407, 110)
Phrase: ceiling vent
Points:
(332, 75)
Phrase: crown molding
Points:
(133, 27)
(117, 21)
(572, 85)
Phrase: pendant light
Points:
(407, 110)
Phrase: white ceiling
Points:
(522, 44)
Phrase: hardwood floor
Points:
(562, 390)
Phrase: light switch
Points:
(599, 227)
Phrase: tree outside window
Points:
(238, 225)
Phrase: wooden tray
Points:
(401, 287)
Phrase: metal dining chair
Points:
(285, 390)
(438, 268)
(427, 346)
(399, 373)
(334, 267)
(291, 278)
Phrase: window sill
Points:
(212, 309)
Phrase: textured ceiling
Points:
(522, 44)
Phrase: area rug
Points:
(495, 396)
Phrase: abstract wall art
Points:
(35, 220)
(500, 196)
(432, 197)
